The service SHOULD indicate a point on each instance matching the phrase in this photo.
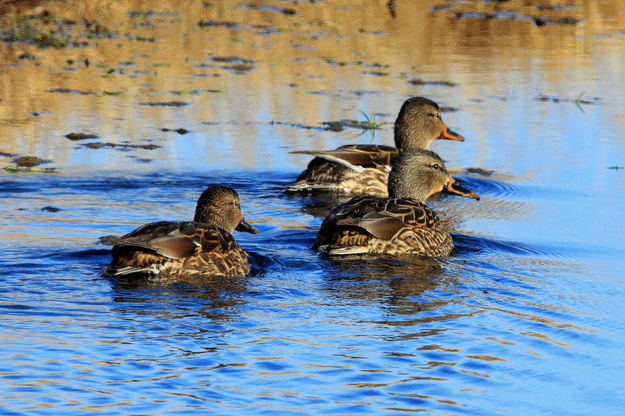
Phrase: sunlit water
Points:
(524, 318)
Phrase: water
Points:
(524, 318)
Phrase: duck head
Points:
(419, 123)
(420, 173)
(220, 206)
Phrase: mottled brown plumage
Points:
(400, 224)
(202, 247)
(357, 169)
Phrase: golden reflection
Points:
(158, 52)
(544, 338)
(485, 358)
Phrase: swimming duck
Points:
(363, 169)
(202, 247)
(399, 224)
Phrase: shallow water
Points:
(524, 318)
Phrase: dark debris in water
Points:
(219, 23)
(440, 7)
(142, 159)
(80, 136)
(261, 30)
(109, 240)
(424, 82)
(232, 59)
(97, 30)
(269, 8)
(361, 93)
(166, 104)
(194, 91)
(539, 20)
(479, 171)
(392, 8)
(70, 91)
(447, 109)
(29, 161)
(376, 73)
(81, 92)
(26, 55)
(616, 167)
(543, 21)
(500, 15)
(239, 68)
(49, 208)
(144, 39)
(371, 65)
(371, 32)
(554, 7)
(303, 126)
(340, 124)
(334, 62)
(84, 61)
(180, 131)
(578, 100)
(337, 126)
(121, 146)
(151, 13)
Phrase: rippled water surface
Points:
(524, 318)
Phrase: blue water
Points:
(500, 326)
(525, 317)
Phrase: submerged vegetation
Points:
(32, 34)
(44, 30)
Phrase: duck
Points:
(398, 224)
(357, 169)
(202, 248)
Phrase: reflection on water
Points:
(361, 334)
(524, 317)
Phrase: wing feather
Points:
(367, 218)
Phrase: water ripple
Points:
(365, 335)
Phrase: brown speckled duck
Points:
(400, 224)
(203, 247)
(357, 169)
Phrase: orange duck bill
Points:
(246, 227)
(454, 188)
(450, 135)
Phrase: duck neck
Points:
(409, 136)
(212, 216)
(403, 184)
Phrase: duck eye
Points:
(437, 166)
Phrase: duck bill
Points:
(246, 227)
(454, 188)
(450, 135)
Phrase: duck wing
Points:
(174, 240)
(379, 217)
(357, 156)
(153, 246)
(353, 168)
(388, 216)
(177, 240)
